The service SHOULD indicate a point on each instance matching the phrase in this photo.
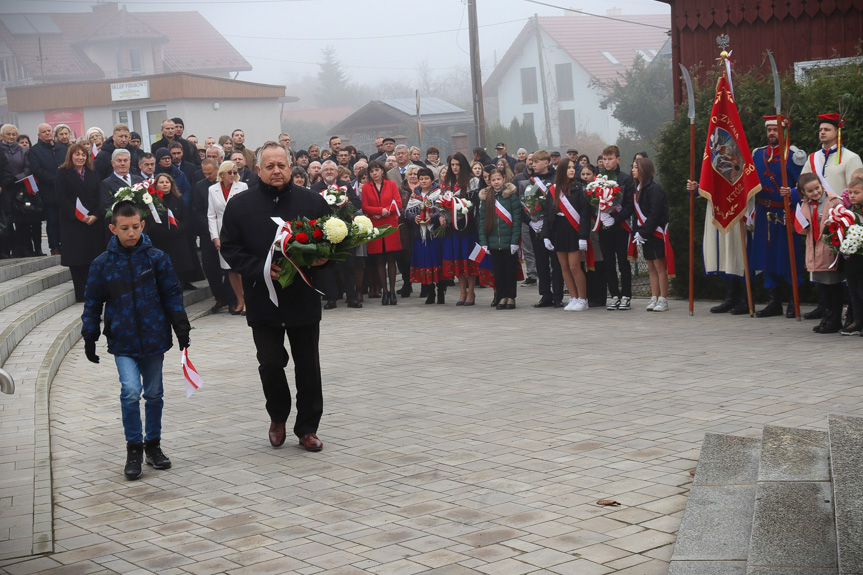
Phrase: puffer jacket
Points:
(502, 235)
(142, 298)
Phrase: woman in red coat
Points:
(383, 203)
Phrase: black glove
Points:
(184, 341)
(90, 351)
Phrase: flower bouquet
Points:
(337, 198)
(454, 209)
(842, 233)
(300, 243)
(604, 194)
(534, 202)
(144, 195)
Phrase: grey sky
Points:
(374, 40)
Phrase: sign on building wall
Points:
(72, 118)
(130, 90)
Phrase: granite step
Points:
(846, 459)
(13, 268)
(20, 318)
(793, 526)
(714, 534)
(27, 284)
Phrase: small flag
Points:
(80, 211)
(477, 254)
(394, 207)
(193, 379)
(800, 221)
(30, 184)
(172, 219)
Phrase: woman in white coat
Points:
(220, 193)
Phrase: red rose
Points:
(302, 238)
(835, 241)
(160, 194)
(313, 222)
(317, 234)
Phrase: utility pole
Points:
(543, 93)
(476, 76)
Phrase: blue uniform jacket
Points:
(142, 298)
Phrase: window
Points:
(563, 76)
(120, 73)
(611, 58)
(137, 60)
(528, 86)
(527, 120)
(23, 72)
(566, 118)
(4, 72)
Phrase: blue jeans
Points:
(141, 374)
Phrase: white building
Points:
(578, 52)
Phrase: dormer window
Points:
(611, 58)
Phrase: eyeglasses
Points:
(232, 172)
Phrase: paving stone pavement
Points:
(457, 440)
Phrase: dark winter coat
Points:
(171, 239)
(82, 243)
(199, 206)
(179, 177)
(45, 160)
(142, 298)
(102, 163)
(190, 151)
(250, 178)
(503, 235)
(578, 198)
(654, 206)
(246, 236)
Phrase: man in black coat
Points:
(120, 140)
(45, 157)
(246, 237)
(329, 177)
(189, 169)
(245, 174)
(190, 150)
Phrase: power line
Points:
(294, 39)
(597, 15)
(342, 65)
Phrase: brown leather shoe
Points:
(311, 442)
(277, 434)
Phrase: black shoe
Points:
(154, 455)
(330, 305)
(385, 298)
(774, 305)
(424, 290)
(558, 304)
(510, 303)
(502, 304)
(189, 286)
(134, 459)
(789, 310)
(740, 308)
(816, 313)
(355, 304)
(724, 307)
(429, 295)
(495, 301)
(544, 303)
(529, 282)
(406, 290)
(393, 300)
(441, 294)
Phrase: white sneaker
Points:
(624, 303)
(661, 305)
(571, 305)
(651, 304)
(581, 305)
(612, 304)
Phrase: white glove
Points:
(606, 219)
(548, 245)
(485, 248)
(638, 239)
(582, 245)
(535, 226)
(513, 248)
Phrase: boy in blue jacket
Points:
(143, 300)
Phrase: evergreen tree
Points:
(332, 82)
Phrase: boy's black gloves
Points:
(183, 341)
(90, 351)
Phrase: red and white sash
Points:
(662, 234)
(502, 212)
(540, 184)
(572, 216)
(817, 160)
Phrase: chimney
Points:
(105, 7)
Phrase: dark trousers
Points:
(217, 278)
(272, 361)
(596, 288)
(504, 264)
(52, 225)
(28, 238)
(854, 279)
(547, 270)
(331, 280)
(614, 243)
(79, 280)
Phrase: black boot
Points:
(741, 302)
(496, 300)
(789, 310)
(832, 320)
(406, 291)
(134, 459)
(730, 297)
(774, 305)
(441, 293)
(818, 312)
(154, 456)
(424, 289)
(429, 293)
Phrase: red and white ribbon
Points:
(193, 378)
(80, 211)
(502, 212)
(606, 202)
(540, 184)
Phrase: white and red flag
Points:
(80, 211)
(728, 175)
(193, 378)
(172, 219)
(477, 254)
(800, 221)
(30, 184)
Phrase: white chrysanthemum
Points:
(336, 230)
(147, 199)
(364, 224)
